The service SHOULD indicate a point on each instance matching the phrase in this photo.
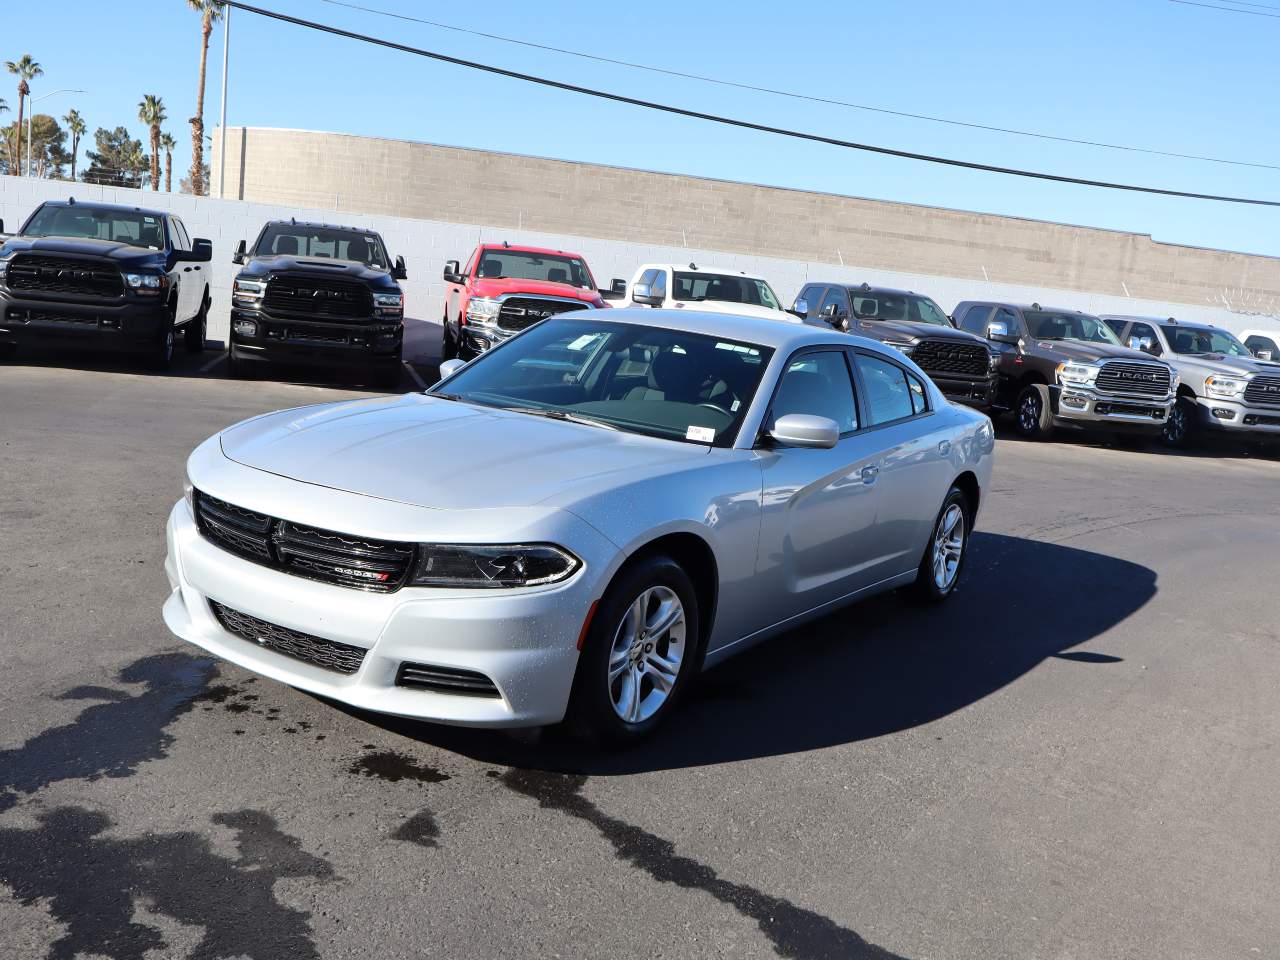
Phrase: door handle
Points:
(944, 447)
(196, 267)
(186, 269)
(870, 473)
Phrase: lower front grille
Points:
(1263, 390)
(1124, 376)
(317, 651)
(949, 356)
(517, 313)
(422, 676)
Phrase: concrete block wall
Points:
(427, 244)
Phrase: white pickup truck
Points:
(712, 289)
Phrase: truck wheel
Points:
(1179, 428)
(193, 334)
(236, 369)
(448, 346)
(1033, 414)
(162, 352)
(943, 559)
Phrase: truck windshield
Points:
(1051, 325)
(83, 222)
(621, 376)
(1200, 340)
(880, 305)
(321, 243)
(521, 265)
(726, 288)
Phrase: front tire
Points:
(161, 357)
(236, 369)
(944, 557)
(639, 655)
(1180, 427)
(196, 330)
(1033, 414)
(448, 346)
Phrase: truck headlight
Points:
(389, 304)
(1077, 374)
(492, 566)
(147, 284)
(483, 309)
(1228, 388)
(902, 346)
(248, 293)
(993, 360)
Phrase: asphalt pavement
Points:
(1075, 758)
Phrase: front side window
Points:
(84, 222)
(890, 395)
(1141, 331)
(812, 296)
(1055, 325)
(724, 288)
(321, 243)
(819, 385)
(1203, 340)
(975, 320)
(909, 307)
(502, 264)
(639, 379)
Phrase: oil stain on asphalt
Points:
(794, 931)
(393, 766)
(92, 883)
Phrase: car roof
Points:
(323, 226)
(866, 288)
(1042, 307)
(698, 268)
(759, 331)
(520, 248)
(1158, 321)
(95, 205)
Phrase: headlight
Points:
(492, 566)
(248, 293)
(1077, 374)
(147, 284)
(1176, 381)
(902, 346)
(483, 309)
(1226, 387)
(389, 304)
(993, 360)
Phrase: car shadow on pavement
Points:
(866, 671)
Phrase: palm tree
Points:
(151, 112)
(76, 127)
(168, 144)
(209, 10)
(25, 69)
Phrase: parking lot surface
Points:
(1075, 758)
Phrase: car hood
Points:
(446, 454)
(111, 249)
(1221, 363)
(343, 269)
(1092, 352)
(497, 287)
(738, 309)
(906, 330)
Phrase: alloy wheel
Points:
(1029, 412)
(647, 654)
(948, 547)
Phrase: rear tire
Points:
(1033, 413)
(194, 333)
(944, 555)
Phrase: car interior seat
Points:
(358, 249)
(491, 268)
(287, 246)
(558, 275)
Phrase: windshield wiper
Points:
(554, 413)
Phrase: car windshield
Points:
(640, 379)
(84, 222)
(1202, 340)
(1052, 325)
(496, 264)
(881, 305)
(322, 243)
(725, 288)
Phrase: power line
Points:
(794, 95)
(1209, 6)
(734, 122)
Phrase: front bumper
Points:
(525, 641)
(479, 337)
(368, 343)
(123, 324)
(1231, 416)
(1085, 409)
(980, 394)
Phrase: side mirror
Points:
(201, 250)
(1262, 353)
(832, 313)
(998, 331)
(1, 226)
(1145, 344)
(239, 255)
(617, 290)
(643, 293)
(803, 430)
(450, 367)
(800, 308)
(398, 272)
(452, 272)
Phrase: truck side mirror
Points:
(239, 255)
(998, 331)
(617, 290)
(201, 250)
(832, 312)
(1145, 344)
(1, 226)
(1262, 353)
(398, 272)
(451, 272)
(800, 308)
(643, 293)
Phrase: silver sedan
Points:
(576, 523)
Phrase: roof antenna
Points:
(506, 244)
(71, 201)
(1035, 306)
(692, 265)
(294, 221)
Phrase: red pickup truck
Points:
(505, 288)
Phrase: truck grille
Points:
(64, 275)
(318, 297)
(1124, 376)
(376, 565)
(948, 356)
(520, 312)
(317, 651)
(1263, 390)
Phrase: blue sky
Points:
(1142, 72)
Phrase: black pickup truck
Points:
(321, 295)
(104, 277)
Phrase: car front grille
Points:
(318, 297)
(1124, 376)
(1263, 390)
(948, 356)
(317, 651)
(517, 313)
(379, 566)
(64, 275)
(452, 680)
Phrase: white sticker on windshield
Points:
(700, 434)
(583, 341)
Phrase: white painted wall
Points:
(427, 244)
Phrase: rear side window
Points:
(818, 384)
(975, 320)
(891, 394)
